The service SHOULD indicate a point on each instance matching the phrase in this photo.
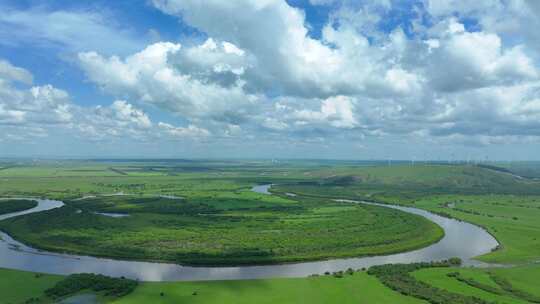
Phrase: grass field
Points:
(521, 278)
(512, 219)
(357, 288)
(524, 277)
(507, 213)
(215, 198)
(18, 286)
(251, 229)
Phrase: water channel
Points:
(461, 240)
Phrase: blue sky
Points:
(373, 79)
(52, 63)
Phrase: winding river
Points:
(461, 239)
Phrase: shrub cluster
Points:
(473, 283)
(113, 287)
(507, 286)
(398, 278)
(16, 205)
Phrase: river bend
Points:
(461, 240)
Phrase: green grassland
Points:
(18, 286)
(216, 200)
(215, 218)
(524, 280)
(404, 183)
(526, 169)
(439, 278)
(221, 230)
(512, 219)
(508, 207)
(356, 288)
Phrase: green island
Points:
(204, 213)
(233, 229)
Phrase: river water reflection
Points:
(461, 240)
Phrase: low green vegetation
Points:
(512, 219)
(507, 286)
(216, 230)
(406, 183)
(106, 286)
(16, 205)
(525, 169)
(412, 283)
(350, 288)
(473, 282)
(398, 278)
(210, 216)
(506, 206)
(496, 285)
(347, 287)
(19, 286)
(524, 278)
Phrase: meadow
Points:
(356, 288)
(487, 284)
(212, 220)
(26, 287)
(511, 218)
(506, 206)
(214, 198)
(20, 286)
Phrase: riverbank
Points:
(448, 247)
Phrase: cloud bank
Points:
(450, 71)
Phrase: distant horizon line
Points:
(157, 159)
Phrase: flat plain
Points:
(209, 205)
